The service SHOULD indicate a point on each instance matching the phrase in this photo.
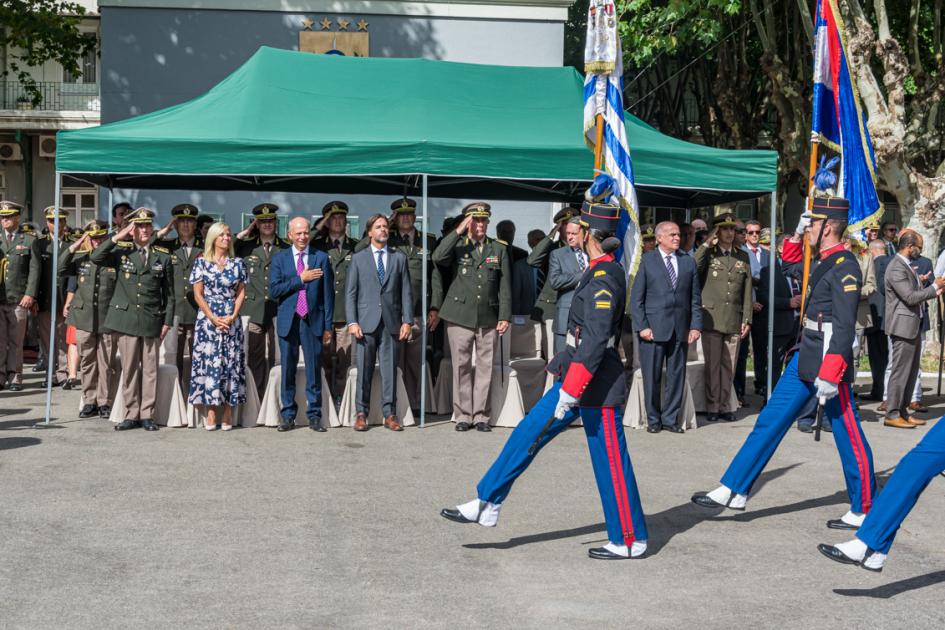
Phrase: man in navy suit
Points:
(666, 307)
(302, 284)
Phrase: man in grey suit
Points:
(566, 265)
(905, 297)
(379, 308)
(666, 307)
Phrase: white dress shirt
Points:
(672, 260)
(383, 253)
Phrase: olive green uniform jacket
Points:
(480, 294)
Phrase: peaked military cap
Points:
(600, 216)
(265, 211)
(765, 237)
(185, 211)
(50, 213)
(649, 234)
(724, 220)
(335, 207)
(404, 205)
(141, 215)
(871, 224)
(96, 228)
(478, 209)
(834, 208)
(28, 227)
(9, 209)
(566, 214)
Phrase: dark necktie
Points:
(336, 244)
(266, 247)
(672, 272)
(380, 266)
(143, 252)
(580, 257)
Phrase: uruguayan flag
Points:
(603, 94)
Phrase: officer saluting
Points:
(20, 278)
(547, 300)
(822, 368)
(141, 312)
(590, 383)
(42, 251)
(95, 286)
(256, 245)
(185, 249)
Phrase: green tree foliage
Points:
(36, 31)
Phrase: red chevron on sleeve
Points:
(576, 380)
(832, 368)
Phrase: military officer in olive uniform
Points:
(141, 312)
(21, 272)
(331, 237)
(477, 309)
(415, 245)
(725, 274)
(256, 245)
(546, 303)
(43, 252)
(95, 285)
(185, 249)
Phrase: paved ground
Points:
(259, 529)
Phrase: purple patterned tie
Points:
(301, 304)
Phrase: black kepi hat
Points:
(830, 208)
(600, 216)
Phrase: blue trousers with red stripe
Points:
(899, 495)
(787, 400)
(608, 447)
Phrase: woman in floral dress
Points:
(218, 373)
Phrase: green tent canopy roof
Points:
(294, 121)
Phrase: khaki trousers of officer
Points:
(43, 322)
(336, 359)
(139, 360)
(720, 352)
(410, 354)
(185, 338)
(13, 321)
(471, 382)
(261, 352)
(97, 367)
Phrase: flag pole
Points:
(599, 143)
(814, 147)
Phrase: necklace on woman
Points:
(221, 262)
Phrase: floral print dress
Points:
(218, 373)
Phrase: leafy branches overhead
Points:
(36, 31)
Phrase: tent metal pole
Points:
(53, 328)
(108, 208)
(423, 312)
(772, 253)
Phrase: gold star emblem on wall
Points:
(362, 25)
(326, 24)
(307, 24)
(343, 24)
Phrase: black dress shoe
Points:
(88, 411)
(454, 515)
(15, 387)
(40, 366)
(483, 427)
(45, 383)
(728, 416)
(71, 383)
(462, 426)
(704, 500)
(712, 417)
(104, 411)
(835, 554)
(316, 425)
(673, 428)
(285, 425)
(654, 428)
(149, 425)
(125, 425)
(836, 523)
(602, 553)
(803, 427)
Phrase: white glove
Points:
(825, 389)
(565, 402)
(802, 223)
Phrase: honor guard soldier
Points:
(185, 249)
(331, 236)
(822, 368)
(141, 312)
(725, 274)
(256, 245)
(590, 384)
(48, 278)
(477, 309)
(20, 278)
(416, 246)
(95, 285)
(546, 303)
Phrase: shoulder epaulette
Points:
(127, 244)
(499, 240)
(158, 248)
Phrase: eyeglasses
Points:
(754, 231)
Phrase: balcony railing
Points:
(81, 97)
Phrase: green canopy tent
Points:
(298, 122)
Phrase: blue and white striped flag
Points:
(603, 94)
